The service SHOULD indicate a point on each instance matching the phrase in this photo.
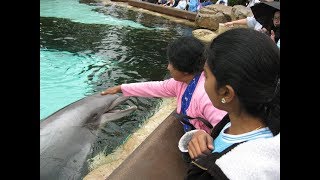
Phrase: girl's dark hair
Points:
(186, 54)
(249, 61)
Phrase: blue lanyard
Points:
(186, 98)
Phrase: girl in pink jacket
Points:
(186, 60)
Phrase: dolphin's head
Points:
(91, 111)
(111, 110)
(67, 135)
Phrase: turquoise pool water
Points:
(64, 78)
(63, 74)
(85, 49)
(82, 13)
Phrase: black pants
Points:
(186, 157)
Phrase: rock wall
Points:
(210, 16)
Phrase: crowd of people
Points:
(196, 5)
(271, 27)
(190, 5)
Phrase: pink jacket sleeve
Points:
(166, 88)
(200, 105)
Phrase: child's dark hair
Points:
(186, 54)
(249, 61)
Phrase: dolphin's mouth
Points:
(123, 109)
(117, 113)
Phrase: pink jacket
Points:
(200, 105)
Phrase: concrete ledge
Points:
(158, 157)
(163, 9)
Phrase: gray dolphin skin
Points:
(67, 136)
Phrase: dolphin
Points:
(67, 136)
